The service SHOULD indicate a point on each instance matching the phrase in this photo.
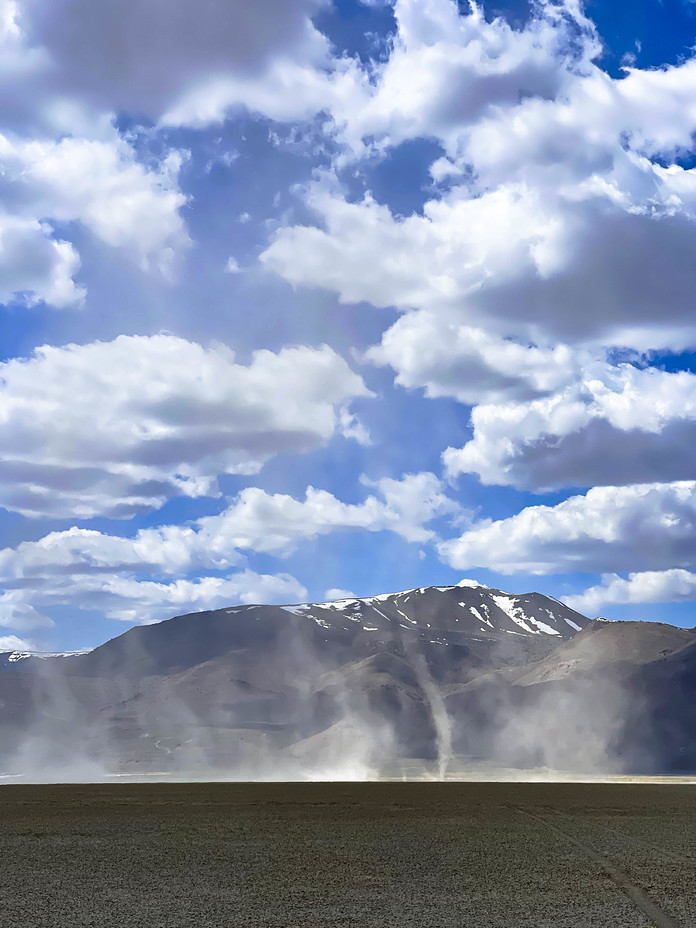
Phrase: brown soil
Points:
(308, 855)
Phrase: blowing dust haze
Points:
(437, 683)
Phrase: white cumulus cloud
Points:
(336, 593)
(139, 601)
(614, 424)
(276, 523)
(435, 352)
(569, 219)
(129, 577)
(35, 266)
(118, 427)
(572, 263)
(650, 586)
(145, 58)
(639, 527)
(13, 643)
(99, 183)
(447, 67)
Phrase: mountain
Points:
(438, 616)
(616, 698)
(22, 660)
(623, 646)
(449, 675)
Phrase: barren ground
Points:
(304, 855)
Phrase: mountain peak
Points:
(421, 673)
(443, 614)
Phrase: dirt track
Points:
(412, 855)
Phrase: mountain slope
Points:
(628, 645)
(440, 616)
(252, 680)
(356, 684)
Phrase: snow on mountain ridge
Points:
(14, 656)
(464, 608)
(506, 602)
(463, 611)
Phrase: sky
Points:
(302, 300)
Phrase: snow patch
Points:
(381, 613)
(339, 605)
(382, 597)
(508, 605)
(478, 615)
(412, 621)
(295, 610)
(546, 629)
(42, 655)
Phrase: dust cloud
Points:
(301, 716)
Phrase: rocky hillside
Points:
(450, 675)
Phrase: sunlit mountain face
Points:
(302, 301)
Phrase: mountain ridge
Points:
(341, 605)
(440, 674)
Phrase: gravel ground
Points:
(309, 855)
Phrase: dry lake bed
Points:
(305, 855)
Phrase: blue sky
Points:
(302, 299)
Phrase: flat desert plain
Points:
(305, 855)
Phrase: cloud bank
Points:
(89, 569)
(115, 428)
(527, 294)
